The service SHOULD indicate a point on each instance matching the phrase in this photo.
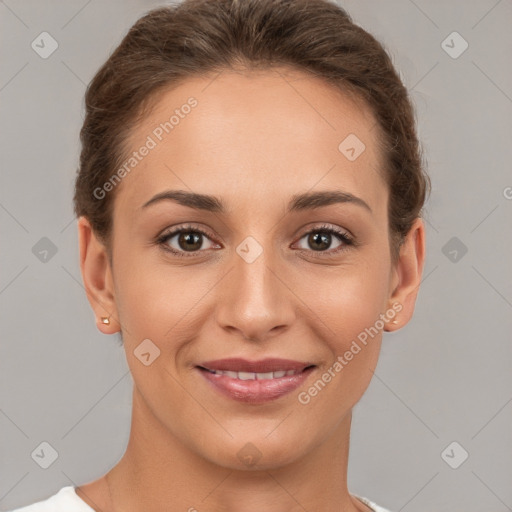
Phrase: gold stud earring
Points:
(105, 320)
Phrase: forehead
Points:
(266, 134)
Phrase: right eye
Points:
(188, 240)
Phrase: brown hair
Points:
(195, 37)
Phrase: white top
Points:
(67, 500)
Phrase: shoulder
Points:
(371, 504)
(66, 500)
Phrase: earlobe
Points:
(97, 278)
(409, 269)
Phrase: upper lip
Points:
(263, 366)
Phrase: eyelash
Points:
(342, 235)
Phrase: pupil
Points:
(190, 241)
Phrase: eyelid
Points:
(325, 226)
(184, 228)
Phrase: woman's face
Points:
(254, 275)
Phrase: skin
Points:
(292, 302)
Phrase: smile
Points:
(255, 382)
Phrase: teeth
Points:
(253, 375)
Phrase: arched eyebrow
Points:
(312, 200)
(298, 202)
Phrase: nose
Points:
(256, 302)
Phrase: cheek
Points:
(161, 302)
(347, 306)
(144, 287)
(348, 323)
(348, 299)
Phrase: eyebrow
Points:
(298, 202)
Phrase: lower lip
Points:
(256, 391)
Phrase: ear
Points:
(97, 277)
(406, 276)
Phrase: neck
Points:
(158, 470)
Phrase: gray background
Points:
(444, 377)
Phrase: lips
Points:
(255, 381)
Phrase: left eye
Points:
(321, 239)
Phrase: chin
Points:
(257, 453)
